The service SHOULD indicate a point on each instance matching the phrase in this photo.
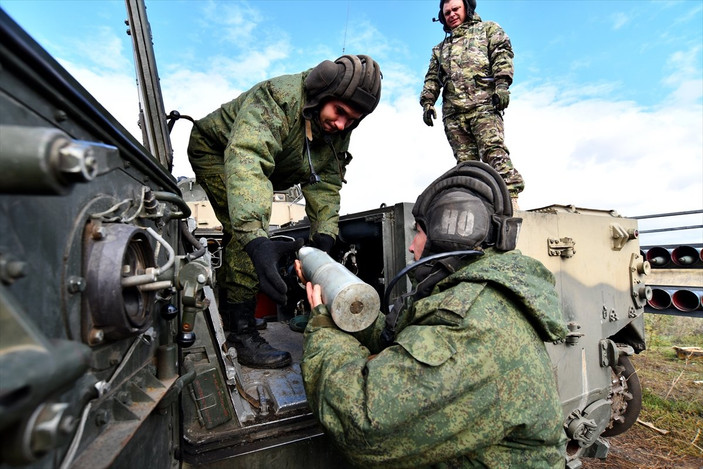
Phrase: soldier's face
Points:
(454, 13)
(336, 115)
(418, 243)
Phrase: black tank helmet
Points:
(467, 207)
(355, 79)
(469, 6)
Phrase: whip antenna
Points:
(346, 25)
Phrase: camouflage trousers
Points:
(237, 275)
(478, 136)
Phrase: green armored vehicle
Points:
(112, 352)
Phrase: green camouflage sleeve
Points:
(249, 159)
(322, 207)
(433, 81)
(322, 200)
(500, 52)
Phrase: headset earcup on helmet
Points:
(507, 232)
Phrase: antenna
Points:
(346, 25)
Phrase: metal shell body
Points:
(353, 304)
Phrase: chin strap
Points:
(388, 334)
(314, 178)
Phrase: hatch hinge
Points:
(563, 247)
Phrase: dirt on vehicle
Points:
(669, 431)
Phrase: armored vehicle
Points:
(112, 352)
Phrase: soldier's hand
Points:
(299, 271)
(501, 97)
(319, 315)
(428, 114)
(265, 254)
(314, 293)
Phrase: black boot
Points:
(252, 349)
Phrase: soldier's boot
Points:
(252, 349)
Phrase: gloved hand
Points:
(428, 114)
(323, 242)
(265, 254)
(501, 97)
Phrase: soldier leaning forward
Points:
(292, 129)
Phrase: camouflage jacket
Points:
(473, 48)
(261, 134)
(467, 382)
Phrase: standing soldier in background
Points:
(292, 129)
(474, 67)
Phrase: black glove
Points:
(265, 254)
(323, 242)
(428, 114)
(501, 98)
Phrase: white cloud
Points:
(607, 155)
(367, 39)
(397, 80)
(251, 67)
(619, 20)
(105, 50)
(395, 156)
(115, 91)
(687, 88)
(692, 14)
(195, 94)
(235, 22)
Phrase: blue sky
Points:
(606, 109)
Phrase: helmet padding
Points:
(354, 79)
(473, 197)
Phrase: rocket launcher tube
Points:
(353, 304)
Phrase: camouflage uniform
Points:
(254, 145)
(467, 382)
(473, 126)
